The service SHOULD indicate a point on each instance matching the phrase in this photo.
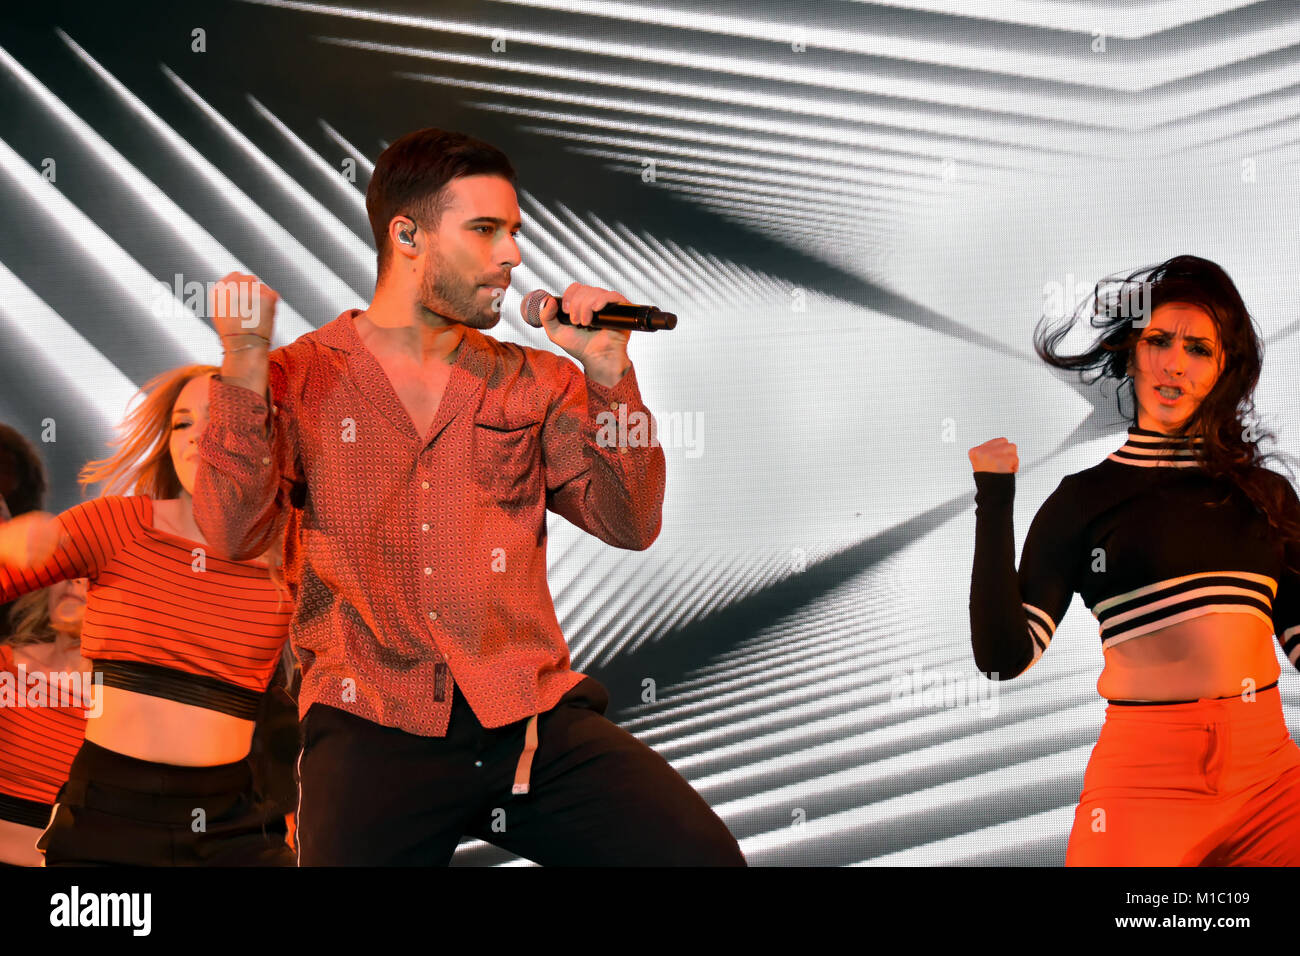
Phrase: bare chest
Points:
(420, 389)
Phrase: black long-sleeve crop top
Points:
(1143, 537)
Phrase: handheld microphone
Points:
(616, 315)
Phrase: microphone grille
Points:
(531, 307)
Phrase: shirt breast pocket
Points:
(507, 458)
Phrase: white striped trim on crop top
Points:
(1041, 629)
(1290, 641)
(1151, 449)
(1149, 608)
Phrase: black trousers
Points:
(378, 796)
(116, 810)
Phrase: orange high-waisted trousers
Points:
(1206, 783)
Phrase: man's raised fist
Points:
(243, 305)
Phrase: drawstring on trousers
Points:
(525, 764)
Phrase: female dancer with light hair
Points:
(1187, 550)
(187, 643)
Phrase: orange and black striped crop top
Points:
(165, 615)
(38, 738)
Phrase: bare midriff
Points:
(18, 844)
(1216, 655)
(166, 731)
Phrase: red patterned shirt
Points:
(416, 560)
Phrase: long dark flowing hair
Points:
(1226, 418)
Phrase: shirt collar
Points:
(470, 370)
(341, 333)
(1151, 449)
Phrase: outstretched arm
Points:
(38, 549)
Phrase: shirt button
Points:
(428, 570)
(424, 527)
(266, 461)
(424, 485)
(613, 404)
(622, 449)
(433, 615)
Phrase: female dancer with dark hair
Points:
(187, 643)
(1187, 550)
(39, 735)
(22, 486)
(22, 473)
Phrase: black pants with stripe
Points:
(377, 796)
(116, 810)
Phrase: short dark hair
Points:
(411, 177)
(29, 495)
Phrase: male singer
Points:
(414, 458)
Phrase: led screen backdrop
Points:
(858, 210)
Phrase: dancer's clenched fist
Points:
(243, 305)
(996, 454)
(30, 539)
